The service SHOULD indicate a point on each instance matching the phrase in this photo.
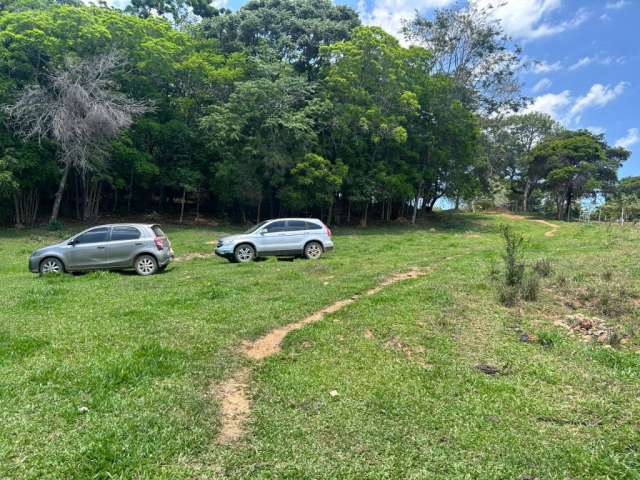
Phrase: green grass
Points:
(142, 353)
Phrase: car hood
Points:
(232, 238)
(49, 248)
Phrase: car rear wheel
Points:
(146, 265)
(244, 253)
(51, 265)
(313, 250)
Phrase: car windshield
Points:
(256, 227)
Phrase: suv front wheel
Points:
(244, 253)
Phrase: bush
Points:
(508, 294)
(512, 256)
(530, 287)
(543, 267)
(55, 226)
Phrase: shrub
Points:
(508, 294)
(543, 267)
(512, 256)
(607, 275)
(55, 226)
(530, 287)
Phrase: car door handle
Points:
(138, 243)
(101, 248)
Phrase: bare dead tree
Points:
(80, 108)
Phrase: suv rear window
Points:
(158, 231)
(124, 233)
(293, 225)
(313, 226)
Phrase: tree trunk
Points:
(415, 204)
(329, 215)
(182, 202)
(349, 212)
(130, 192)
(26, 204)
(525, 196)
(115, 199)
(363, 222)
(198, 203)
(55, 211)
(569, 200)
(258, 212)
(92, 194)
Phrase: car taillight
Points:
(327, 230)
(159, 243)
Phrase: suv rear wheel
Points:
(244, 253)
(313, 250)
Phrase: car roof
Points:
(304, 219)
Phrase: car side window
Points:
(313, 226)
(93, 236)
(276, 227)
(296, 225)
(124, 233)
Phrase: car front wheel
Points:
(51, 265)
(146, 265)
(244, 253)
(313, 250)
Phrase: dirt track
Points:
(233, 393)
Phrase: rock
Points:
(83, 409)
(488, 369)
(585, 324)
(333, 393)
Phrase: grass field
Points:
(144, 356)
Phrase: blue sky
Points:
(587, 75)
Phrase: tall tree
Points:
(578, 163)
(284, 30)
(370, 99)
(78, 107)
(470, 46)
(260, 133)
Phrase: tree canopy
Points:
(282, 107)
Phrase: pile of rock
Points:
(591, 329)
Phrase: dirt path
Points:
(548, 233)
(190, 256)
(235, 405)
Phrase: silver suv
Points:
(281, 237)
(133, 245)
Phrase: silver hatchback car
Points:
(281, 237)
(143, 247)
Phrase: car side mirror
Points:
(72, 243)
(263, 231)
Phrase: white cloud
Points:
(596, 130)
(544, 67)
(389, 14)
(608, 60)
(598, 96)
(527, 19)
(568, 109)
(553, 104)
(583, 62)
(631, 138)
(542, 85)
(620, 4)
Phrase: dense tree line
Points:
(281, 107)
